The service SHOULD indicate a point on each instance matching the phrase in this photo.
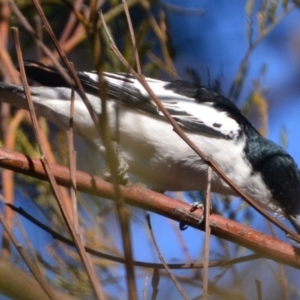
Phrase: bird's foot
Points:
(195, 206)
(122, 170)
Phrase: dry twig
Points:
(207, 235)
(32, 267)
(161, 258)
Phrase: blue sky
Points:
(217, 41)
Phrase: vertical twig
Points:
(161, 258)
(207, 235)
(113, 162)
(132, 35)
(258, 289)
(7, 175)
(72, 164)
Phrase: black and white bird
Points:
(156, 154)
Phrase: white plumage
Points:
(154, 152)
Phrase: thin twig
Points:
(161, 35)
(33, 268)
(113, 163)
(177, 129)
(194, 265)
(72, 163)
(162, 66)
(161, 258)
(132, 35)
(237, 82)
(9, 74)
(155, 283)
(71, 23)
(40, 43)
(27, 91)
(81, 17)
(207, 235)
(258, 289)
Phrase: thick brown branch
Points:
(171, 208)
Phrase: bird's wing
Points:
(50, 77)
(192, 106)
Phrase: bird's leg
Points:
(122, 171)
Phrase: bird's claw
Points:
(122, 170)
(195, 206)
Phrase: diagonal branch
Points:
(193, 265)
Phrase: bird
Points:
(153, 152)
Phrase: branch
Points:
(165, 206)
(193, 265)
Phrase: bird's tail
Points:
(12, 94)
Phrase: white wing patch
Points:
(189, 113)
(204, 117)
(127, 81)
(91, 75)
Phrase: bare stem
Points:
(207, 235)
(33, 268)
(161, 258)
